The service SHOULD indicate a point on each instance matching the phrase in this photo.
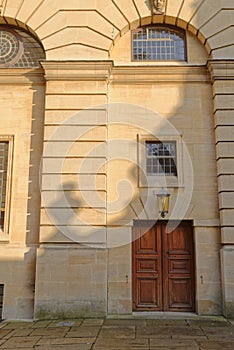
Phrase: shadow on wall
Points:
(75, 210)
(18, 258)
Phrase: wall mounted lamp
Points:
(163, 202)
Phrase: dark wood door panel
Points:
(163, 268)
(178, 269)
(180, 297)
(146, 265)
(147, 269)
(179, 265)
(148, 294)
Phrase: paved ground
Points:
(148, 333)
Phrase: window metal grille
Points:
(3, 180)
(158, 43)
(161, 158)
(9, 46)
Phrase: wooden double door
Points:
(163, 267)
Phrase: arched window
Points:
(18, 49)
(158, 43)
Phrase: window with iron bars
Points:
(158, 44)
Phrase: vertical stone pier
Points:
(222, 74)
(71, 259)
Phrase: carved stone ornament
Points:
(158, 6)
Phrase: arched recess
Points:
(20, 46)
(166, 20)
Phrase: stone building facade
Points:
(104, 103)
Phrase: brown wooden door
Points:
(163, 268)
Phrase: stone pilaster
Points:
(222, 74)
(73, 188)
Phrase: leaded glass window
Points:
(158, 43)
(161, 158)
(19, 49)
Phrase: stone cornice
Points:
(77, 70)
(22, 76)
(221, 69)
(105, 70)
(159, 74)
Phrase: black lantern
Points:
(163, 202)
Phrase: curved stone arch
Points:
(28, 50)
(88, 29)
(18, 24)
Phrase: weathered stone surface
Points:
(211, 323)
(66, 341)
(83, 331)
(219, 332)
(20, 342)
(123, 334)
(118, 332)
(167, 323)
(4, 333)
(130, 344)
(216, 345)
(173, 344)
(171, 332)
(58, 332)
(123, 322)
(19, 333)
(66, 347)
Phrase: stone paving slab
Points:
(209, 323)
(176, 343)
(64, 323)
(40, 324)
(20, 342)
(4, 332)
(65, 341)
(83, 331)
(18, 333)
(172, 347)
(122, 322)
(162, 332)
(118, 332)
(216, 345)
(18, 324)
(50, 332)
(125, 344)
(199, 333)
(62, 347)
(167, 323)
(92, 322)
(219, 332)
